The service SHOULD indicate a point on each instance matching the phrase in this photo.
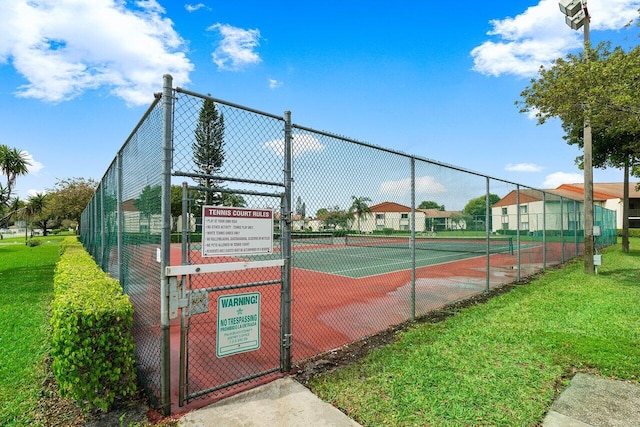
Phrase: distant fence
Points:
(145, 227)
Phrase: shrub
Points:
(91, 346)
(633, 232)
(33, 242)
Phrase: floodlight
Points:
(570, 7)
(577, 21)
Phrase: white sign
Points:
(233, 231)
(238, 324)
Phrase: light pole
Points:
(576, 16)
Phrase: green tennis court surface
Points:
(367, 256)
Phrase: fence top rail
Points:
(351, 140)
(230, 104)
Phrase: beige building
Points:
(397, 217)
(561, 216)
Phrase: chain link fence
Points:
(362, 238)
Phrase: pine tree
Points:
(208, 150)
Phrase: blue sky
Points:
(420, 77)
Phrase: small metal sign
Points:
(198, 301)
(238, 324)
(236, 231)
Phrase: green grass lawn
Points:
(503, 362)
(26, 290)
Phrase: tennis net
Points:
(312, 238)
(449, 244)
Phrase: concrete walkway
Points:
(598, 402)
(283, 402)
(589, 401)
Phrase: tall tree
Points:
(233, 200)
(12, 209)
(13, 163)
(428, 204)
(208, 150)
(477, 207)
(70, 196)
(360, 208)
(335, 217)
(601, 86)
(149, 203)
(37, 211)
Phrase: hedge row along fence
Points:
(92, 347)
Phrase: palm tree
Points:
(13, 163)
(360, 208)
(35, 207)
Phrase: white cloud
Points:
(193, 7)
(34, 165)
(556, 179)
(65, 47)
(274, 84)
(300, 144)
(236, 49)
(424, 184)
(523, 167)
(539, 35)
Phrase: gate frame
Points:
(173, 295)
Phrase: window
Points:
(404, 216)
(380, 216)
(524, 225)
(523, 209)
(504, 211)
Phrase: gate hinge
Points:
(176, 299)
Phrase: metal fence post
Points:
(120, 219)
(413, 238)
(575, 231)
(562, 226)
(544, 230)
(285, 327)
(487, 229)
(165, 240)
(518, 230)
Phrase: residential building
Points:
(527, 207)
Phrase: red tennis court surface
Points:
(328, 311)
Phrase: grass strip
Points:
(503, 362)
(26, 290)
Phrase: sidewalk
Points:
(589, 401)
(283, 402)
(594, 401)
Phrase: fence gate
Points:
(229, 281)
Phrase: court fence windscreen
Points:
(249, 244)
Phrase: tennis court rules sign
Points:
(236, 231)
(238, 324)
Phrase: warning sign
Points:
(238, 324)
(234, 231)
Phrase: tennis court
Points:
(358, 256)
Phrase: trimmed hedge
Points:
(92, 347)
(633, 232)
